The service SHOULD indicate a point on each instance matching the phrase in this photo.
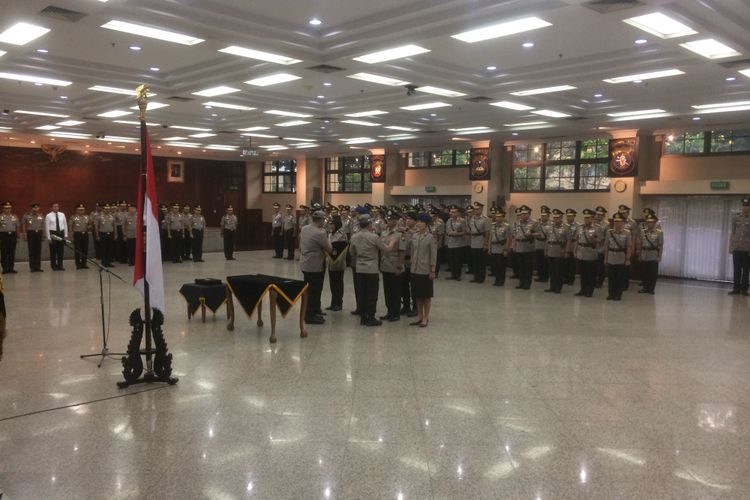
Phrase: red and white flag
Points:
(147, 214)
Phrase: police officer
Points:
(523, 245)
(228, 231)
(479, 228)
(129, 224)
(600, 221)
(556, 244)
(8, 238)
(120, 212)
(438, 230)
(392, 266)
(629, 224)
(277, 231)
(337, 265)
(540, 240)
(288, 225)
(650, 246)
(499, 244)
(569, 264)
(468, 214)
(80, 223)
(586, 243)
(33, 230)
(617, 250)
(93, 216)
(197, 225)
(164, 231)
(739, 247)
(55, 224)
(174, 226)
(455, 229)
(314, 246)
(187, 233)
(408, 304)
(104, 229)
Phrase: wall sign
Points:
(479, 168)
(623, 157)
(430, 189)
(719, 184)
(377, 168)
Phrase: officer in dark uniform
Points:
(650, 246)
(163, 232)
(9, 225)
(33, 231)
(198, 225)
(93, 216)
(558, 236)
(79, 226)
(523, 245)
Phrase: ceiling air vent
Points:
(479, 98)
(736, 64)
(576, 118)
(62, 14)
(325, 68)
(226, 132)
(179, 98)
(607, 6)
(91, 118)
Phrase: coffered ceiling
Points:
(583, 43)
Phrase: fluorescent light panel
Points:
(201, 135)
(117, 90)
(117, 138)
(745, 72)
(252, 134)
(362, 114)
(660, 25)
(259, 55)
(524, 124)
(39, 113)
(22, 33)
(305, 145)
(48, 127)
(720, 105)
(427, 105)
(134, 122)
(287, 113)
(175, 138)
(382, 80)
(361, 140)
(298, 139)
(439, 91)
(149, 32)
(476, 131)
(550, 113)
(464, 129)
(214, 91)
(185, 127)
(277, 78)
(18, 77)
(636, 113)
(227, 105)
(543, 90)
(185, 144)
(645, 76)
(69, 135)
(390, 54)
(399, 127)
(361, 122)
(639, 117)
(2, 53)
(115, 113)
(292, 123)
(511, 105)
(253, 129)
(70, 123)
(710, 48)
(501, 29)
(151, 105)
(398, 137)
(221, 147)
(725, 109)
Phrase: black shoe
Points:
(394, 318)
(610, 298)
(231, 258)
(290, 258)
(450, 278)
(362, 321)
(411, 314)
(579, 294)
(373, 322)
(589, 295)
(497, 283)
(84, 267)
(315, 320)
(734, 292)
(473, 281)
(458, 279)
(385, 316)
(557, 291)
(514, 277)
(355, 313)
(37, 270)
(744, 292)
(319, 313)
(549, 290)
(13, 271)
(519, 287)
(335, 308)
(642, 290)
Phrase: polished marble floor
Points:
(508, 394)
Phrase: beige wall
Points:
(436, 176)
(254, 192)
(720, 168)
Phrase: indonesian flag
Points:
(147, 214)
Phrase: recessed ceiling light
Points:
(598, 95)
(159, 34)
(22, 33)
(636, 113)
(514, 133)
(287, 113)
(511, 105)
(63, 97)
(361, 122)
(550, 113)
(730, 78)
(116, 113)
(382, 80)
(70, 123)
(39, 113)
(696, 118)
(185, 127)
(201, 135)
(292, 123)
(405, 129)
(710, 48)
(42, 51)
(154, 68)
(439, 91)
(374, 112)
(252, 134)
(320, 97)
(426, 105)
(152, 105)
(117, 90)
(528, 45)
(390, 54)
(641, 41)
(491, 68)
(501, 29)
(645, 76)
(47, 127)
(433, 114)
(327, 84)
(253, 129)
(543, 90)
(38, 84)
(265, 81)
(259, 55)
(315, 21)
(34, 79)
(214, 91)
(227, 105)
(637, 81)
(135, 48)
(660, 25)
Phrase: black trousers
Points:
(392, 293)
(525, 268)
(440, 260)
(175, 245)
(480, 264)
(741, 262)
(106, 245)
(498, 262)
(588, 276)
(336, 283)
(569, 270)
(616, 280)
(121, 251)
(555, 273)
(467, 260)
(514, 263)
(81, 245)
(455, 261)
(368, 284)
(34, 238)
(314, 290)
(358, 299)
(130, 246)
(98, 249)
(278, 242)
(649, 272)
(407, 301)
(56, 250)
(164, 239)
(289, 243)
(601, 270)
(197, 243)
(542, 266)
(187, 244)
(8, 241)
(229, 243)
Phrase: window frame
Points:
(276, 175)
(431, 157)
(344, 168)
(708, 136)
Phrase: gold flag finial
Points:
(141, 95)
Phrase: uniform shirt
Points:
(499, 234)
(522, 235)
(277, 220)
(119, 217)
(198, 222)
(407, 234)
(187, 221)
(129, 225)
(364, 249)
(617, 245)
(8, 223)
(438, 230)
(652, 241)
(79, 223)
(557, 240)
(423, 253)
(105, 223)
(33, 221)
(304, 220)
(454, 232)
(50, 224)
(390, 261)
(540, 227)
(741, 232)
(337, 239)
(164, 222)
(229, 222)
(603, 227)
(313, 246)
(586, 244)
(478, 227)
(288, 222)
(174, 221)
(632, 226)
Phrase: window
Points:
(348, 174)
(686, 143)
(562, 166)
(730, 141)
(280, 176)
(440, 159)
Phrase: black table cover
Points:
(212, 295)
(251, 288)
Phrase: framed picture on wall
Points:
(175, 171)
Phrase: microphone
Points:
(54, 237)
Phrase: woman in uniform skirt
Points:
(423, 265)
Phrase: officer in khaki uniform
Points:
(187, 234)
(556, 245)
(438, 230)
(585, 244)
(569, 264)
(288, 225)
(479, 228)
(174, 228)
(93, 216)
(392, 266)
(739, 247)
(600, 220)
(650, 246)
(499, 245)
(540, 240)
(9, 226)
(277, 231)
(629, 224)
(120, 211)
(455, 228)
(104, 229)
(617, 250)
(197, 226)
(129, 224)
(523, 246)
(80, 223)
(228, 231)
(33, 232)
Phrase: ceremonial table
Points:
(202, 294)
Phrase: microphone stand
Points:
(104, 353)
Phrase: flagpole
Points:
(142, 97)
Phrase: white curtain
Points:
(696, 234)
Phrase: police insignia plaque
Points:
(623, 157)
(377, 168)
(479, 169)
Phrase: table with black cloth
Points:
(283, 293)
(199, 295)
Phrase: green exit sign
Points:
(719, 184)
(430, 189)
